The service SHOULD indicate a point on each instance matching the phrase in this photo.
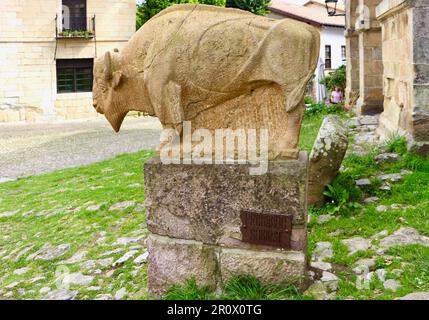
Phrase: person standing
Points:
(336, 96)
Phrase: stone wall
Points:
(27, 65)
(406, 75)
(193, 215)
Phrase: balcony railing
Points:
(75, 27)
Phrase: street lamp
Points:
(332, 10)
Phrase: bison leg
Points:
(294, 128)
(287, 146)
(172, 94)
(166, 101)
(169, 139)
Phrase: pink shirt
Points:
(336, 96)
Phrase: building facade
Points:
(332, 40)
(387, 65)
(47, 50)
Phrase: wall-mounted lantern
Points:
(331, 8)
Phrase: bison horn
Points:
(108, 67)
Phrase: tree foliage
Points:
(336, 78)
(149, 8)
(256, 6)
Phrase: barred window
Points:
(328, 61)
(343, 53)
(74, 75)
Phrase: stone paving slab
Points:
(36, 148)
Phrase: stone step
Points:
(369, 120)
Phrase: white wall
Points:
(297, 2)
(27, 48)
(335, 38)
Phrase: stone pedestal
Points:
(193, 215)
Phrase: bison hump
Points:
(224, 49)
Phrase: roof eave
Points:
(334, 25)
(291, 15)
(304, 19)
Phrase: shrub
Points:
(149, 8)
(259, 7)
(336, 78)
(397, 144)
(308, 100)
(343, 195)
(322, 108)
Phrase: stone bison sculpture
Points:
(215, 67)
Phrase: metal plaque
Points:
(266, 228)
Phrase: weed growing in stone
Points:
(237, 288)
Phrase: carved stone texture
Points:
(216, 67)
(203, 202)
(173, 261)
(326, 157)
(267, 266)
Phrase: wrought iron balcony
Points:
(75, 28)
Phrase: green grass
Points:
(312, 121)
(189, 291)
(56, 205)
(413, 191)
(237, 288)
(55, 208)
(309, 129)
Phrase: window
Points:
(328, 61)
(74, 75)
(343, 53)
(74, 15)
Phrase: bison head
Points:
(108, 96)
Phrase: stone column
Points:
(370, 59)
(421, 81)
(193, 215)
(352, 54)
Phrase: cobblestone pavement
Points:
(365, 136)
(35, 148)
